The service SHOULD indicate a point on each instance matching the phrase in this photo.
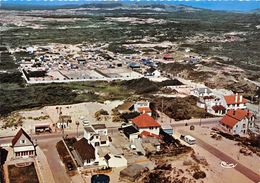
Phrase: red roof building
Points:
(168, 57)
(238, 121)
(144, 122)
(148, 134)
(144, 110)
(235, 99)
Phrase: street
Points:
(241, 168)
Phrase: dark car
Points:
(69, 166)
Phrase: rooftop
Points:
(99, 126)
(145, 121)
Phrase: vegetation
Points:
(22, 174)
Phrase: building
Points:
(114, 161)
(97, 135)
(126, 107)
(201, 92)
(23, 145)
(238, 121)
(131, 133)
(132, 172)
(64, 121)
(167, 128)
(153, 72)
(234, 102)
(141, 104)
(168, 57)
(145, 122)
(84, 152)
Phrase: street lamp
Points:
(77, 123)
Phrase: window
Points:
(22, 141)
(244, 125)
(103, 142)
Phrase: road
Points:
(241, 168)
(47, 142)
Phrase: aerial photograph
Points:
(129, 91)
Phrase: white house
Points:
(143, 107)
(234, 102)
(85, 153)
(145, 122)
(201, 92)
(23, 145)
(131, 133)
(238, 121)
(97, 135)
(153, 72)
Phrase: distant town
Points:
(150, 110)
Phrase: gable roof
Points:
(19, 134)
(144, 109)
(129, 130)
(218, 108)
(231, 99)
(234, 116)
(148, 134)
(144, 121)
(84, 149)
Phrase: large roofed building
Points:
(144, 122)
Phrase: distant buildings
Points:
(23, 146)
(238, 121)
(201, 92)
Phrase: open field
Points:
(22, 174)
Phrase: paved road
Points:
(241, 168)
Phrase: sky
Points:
(227, 5)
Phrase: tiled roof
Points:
(148, 134)
(144, 109)
(19, 134)
(145, 121)
(231, 99)
(234, 116)
(218, 107)
(85, 150)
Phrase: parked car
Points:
(69, 166)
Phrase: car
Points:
(69, 166)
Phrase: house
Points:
(168, 57)
(132, 172)
(84, 153)
(114, 161)
(131, 133)
(22, 145)
(145, 122)
(64, 121)
(134, 65)
(201, 92)
(81, 61)
(126, 107)
(97, 135)
(143, 107)
(234, 102)
(152, 72)
(238, 121)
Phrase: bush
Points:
(199, 175)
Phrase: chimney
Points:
(234, 112)
(240, 98)
(236, 98)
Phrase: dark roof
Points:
(218, 108)
(151, 70)
(129, 130)
(19, 134)
(89, 129)
(107, 157)
(99, 126)
(84, 149)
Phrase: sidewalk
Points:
(43, 166)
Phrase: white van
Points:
(189, 139)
